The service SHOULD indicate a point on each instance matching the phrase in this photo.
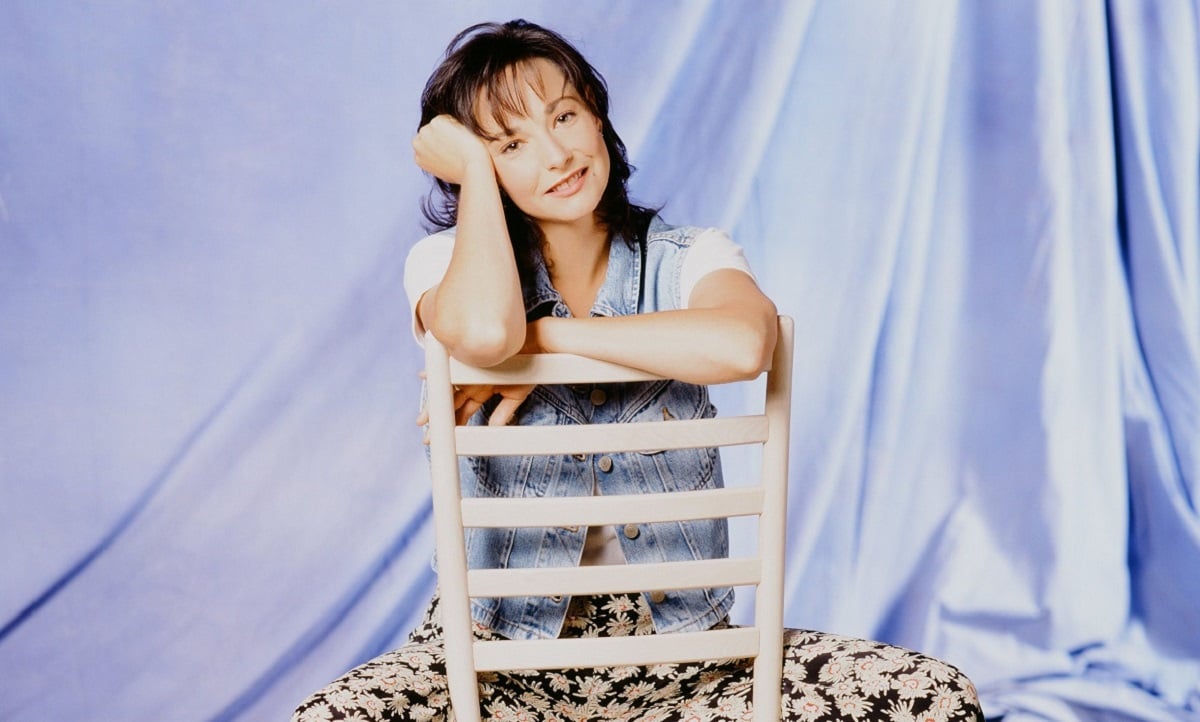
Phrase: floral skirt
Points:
(825, 677)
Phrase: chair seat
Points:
(825, 677)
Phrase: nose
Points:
(554, 153)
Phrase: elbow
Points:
(482, 344)
(750, 364)
(755, 353)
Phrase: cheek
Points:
(600, 149)
(516, 180)
(605, 161)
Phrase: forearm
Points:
(701, 346)
(477, 310)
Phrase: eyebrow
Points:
(552, 105)
(507, 132)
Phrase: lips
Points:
(569, 185)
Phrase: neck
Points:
(575, 249)
(577, 264)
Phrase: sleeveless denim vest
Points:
(639, 280)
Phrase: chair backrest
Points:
(766, 499)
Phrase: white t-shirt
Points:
(711, 250)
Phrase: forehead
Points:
(510, 93)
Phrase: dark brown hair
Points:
(480, 61)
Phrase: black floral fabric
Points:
(826, 677)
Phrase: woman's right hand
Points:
(469, 399)
(446, 148)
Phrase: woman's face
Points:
(551, 160)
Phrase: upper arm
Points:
(738, 295)
(716, 275)
(423, 312)
(732, 289)
(423, 271)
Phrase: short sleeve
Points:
(711, 250)
(423, 269)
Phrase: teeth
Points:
(567, 181)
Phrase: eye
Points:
(511, 146)
(565, 117)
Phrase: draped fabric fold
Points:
(984, 217)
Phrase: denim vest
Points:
(639, 280)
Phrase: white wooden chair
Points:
(767, 500)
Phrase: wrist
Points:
(533, 337)
(540, 336)
(477, 166)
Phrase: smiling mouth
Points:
(568, 185)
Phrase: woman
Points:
(542, 251)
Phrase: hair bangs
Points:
(503, 93)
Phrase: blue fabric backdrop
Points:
(983, 216)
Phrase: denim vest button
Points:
(606, 464)
(658, 597)
(598, 397)
(580, 457)
(632, 531)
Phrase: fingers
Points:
(423, 414)
(445, 148)
(466, 411)
(469, 399)
(511, 398)
(504, 411)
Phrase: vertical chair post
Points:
(768, 600)
(454, 604)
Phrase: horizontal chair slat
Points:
(609, 438)
(614, 579)
(614, 651)
(509, 512)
